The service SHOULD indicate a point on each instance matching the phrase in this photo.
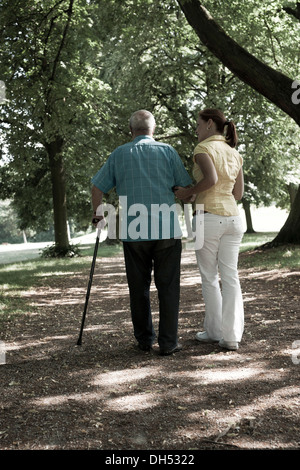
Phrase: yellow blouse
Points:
(228, 162)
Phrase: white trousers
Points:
(224, 311)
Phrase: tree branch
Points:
(295, 13)
(273, 85)
(56, 60)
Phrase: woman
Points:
(219, 175)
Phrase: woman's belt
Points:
(200, 212)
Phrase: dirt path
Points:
(106, 394)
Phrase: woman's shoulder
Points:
(201, 147)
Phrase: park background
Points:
(266, 221)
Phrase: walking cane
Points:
(100, 225)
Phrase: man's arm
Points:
(97, 196)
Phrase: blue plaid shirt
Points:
(144, 172)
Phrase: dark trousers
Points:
(163, 256)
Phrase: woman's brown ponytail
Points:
(231, 134)
(218, 117)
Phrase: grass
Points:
(253, 240)
(24, 274)
(281, 257)
(17, 278)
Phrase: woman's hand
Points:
(184, 194)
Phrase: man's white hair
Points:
(142, 120)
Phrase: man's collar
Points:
(140, 137)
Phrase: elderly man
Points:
(144, 172)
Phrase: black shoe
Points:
(171, 351)
(144, 347)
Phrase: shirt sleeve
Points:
(181, 176)
(104, 179)
(199, 149)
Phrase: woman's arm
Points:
(238, 189)
(210, 177)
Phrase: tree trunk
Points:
(274, 85)
(246, 207)
(54, 150)
(292, 189)
(290, 232)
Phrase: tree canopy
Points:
(74, 71)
